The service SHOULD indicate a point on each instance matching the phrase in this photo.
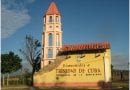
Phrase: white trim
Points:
(107, 68)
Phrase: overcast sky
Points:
(83, 21)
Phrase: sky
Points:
(83, 21)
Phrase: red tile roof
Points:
(52, 10)
(86, 46)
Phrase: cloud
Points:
(14, 15)
(12, 21)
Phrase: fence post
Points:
(7, 79)
(3, 79)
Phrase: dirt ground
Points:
(115, 86)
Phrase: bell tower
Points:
(52, 35)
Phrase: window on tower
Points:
(50, 55)
(50, 26)
(44, 19)
(50, 39)
(57, 39)
(57, 51)
(57, 26)
(57, 19)
(50, 19)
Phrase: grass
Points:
(124, 84)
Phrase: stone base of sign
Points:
(75, 85)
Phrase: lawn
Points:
(124, 84)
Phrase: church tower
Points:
(52, 35)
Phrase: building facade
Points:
(52, 35)
(77, 65)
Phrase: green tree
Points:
(31, 52)
(10, 63)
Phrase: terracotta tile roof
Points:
(86, 46)
(52, 9)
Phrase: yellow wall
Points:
(89, 68)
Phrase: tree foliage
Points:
(10, 62)
(31, 52)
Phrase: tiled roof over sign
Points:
(86, 46)
(52, 10)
